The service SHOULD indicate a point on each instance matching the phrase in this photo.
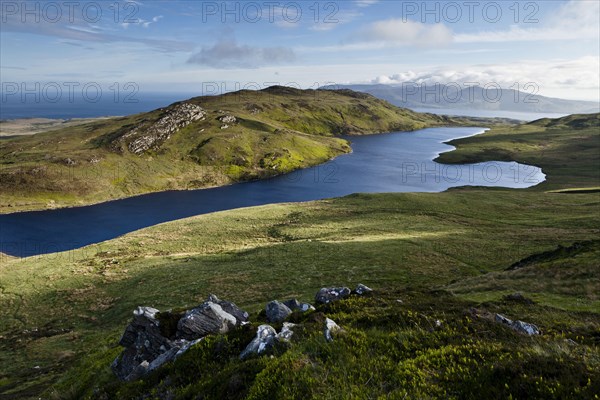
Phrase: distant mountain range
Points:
(475, 98)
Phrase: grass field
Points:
(447, 256)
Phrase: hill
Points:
(201, 142)
(566, 148)
(472, 98)
(456, 257)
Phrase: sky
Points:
(548, 47)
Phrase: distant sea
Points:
(13, 107)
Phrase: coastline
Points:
(4, 209)
(10, 128)
(148, 193)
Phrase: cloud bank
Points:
(227, 53)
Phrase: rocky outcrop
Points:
(143, 342)
(150, 341)
(227, 120)
(231, 308)
(204, 320)
(266, 339)
(154, 338)
(295, 305)
(151, 135)
(331, 328)
(519, 326)
(277, 311)
(362, 289)
(327, 295)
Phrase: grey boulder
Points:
(143, 341)
(229, 307)
(327, 295)
(362, 289)
(331, 328)
(266, 338)
(208, 318)
(146, 348)
(295, 305)
(277, 311)
(519, 326)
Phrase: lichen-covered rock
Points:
(327, 295)
(277, 311)
(265, 336)
(206, 319)
(286, 332)
(143, 342)
(362, 289)
(147, 349)
(331, 328)
(519, 326)
(295, 305)
(231, 308)
(148, 136)
(228, 119)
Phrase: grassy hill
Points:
(566, 149)
(273, 131)
(452, 257)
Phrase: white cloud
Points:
(226, 53)
(552, 77)
(365, 3)
(575, 20)
(142, 22)
(398, 32)
(83, 31)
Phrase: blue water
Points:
(394, 162)
(16, 106)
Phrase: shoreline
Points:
(345, 137)
(11, 128)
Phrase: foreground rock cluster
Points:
(154, 338)
(150, 136)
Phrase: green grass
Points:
(410, 243)
(279, 130)
(445, 255)
(566, 148)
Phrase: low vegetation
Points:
(453, 257)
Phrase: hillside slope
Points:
(457, 257)
(200, 142)
(566, 148)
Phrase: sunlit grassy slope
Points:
(277, 130)
(447, 256)
(567, 148)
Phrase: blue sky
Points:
(187, 46)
